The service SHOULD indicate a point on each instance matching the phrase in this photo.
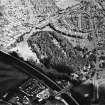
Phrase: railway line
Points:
(36, 72)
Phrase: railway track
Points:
(36, 72)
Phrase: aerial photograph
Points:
(52, 52)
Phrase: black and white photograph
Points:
(52, 52)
